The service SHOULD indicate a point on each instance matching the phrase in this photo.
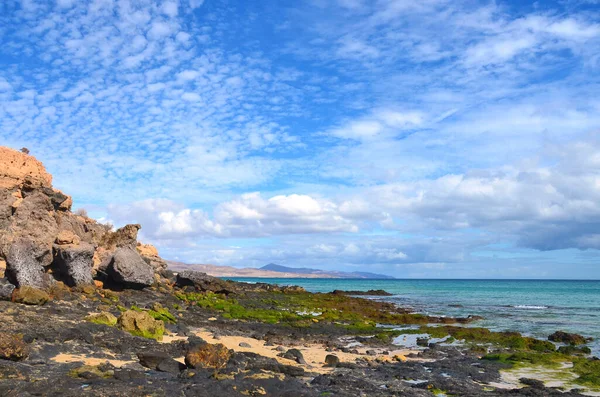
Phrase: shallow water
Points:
(533, 307)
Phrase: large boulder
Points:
(204, 282)
(25, 264)
(30, 296)
(126, 267)
(74, 264)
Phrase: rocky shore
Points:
(89, 311)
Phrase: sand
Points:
(87, 360)
(314, 354)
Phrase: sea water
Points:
(533, 307)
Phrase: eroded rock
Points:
(141, 324)
(12, 347)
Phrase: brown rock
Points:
(30, 296)
(18, 169)
(2, 267)
(12, 347)
(67, 237)
(207, 356)
(149, 253)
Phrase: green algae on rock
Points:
(140, 323)
(105, 318)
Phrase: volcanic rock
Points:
(207, 356)
(25, 264)
(30, 296)
(74, 264)
(203, 282)
(12, 347)
(141, 324)
(126, 267)
(6, 289)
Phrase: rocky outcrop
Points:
(568, 338)
(74, 264)
(41, 239)
(126, 267)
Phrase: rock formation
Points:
(41, 240)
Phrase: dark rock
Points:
(371, 352)
(74, 264)
(533, 383)
(203, 282)
(423, 342)
(171, 366)
(126, 267)
(6, 289)
(371, 292)
(25, 265)
(246, 345)
(331, 360)
(280, 348)
(152, 359)
(567, 338)
(295, 355)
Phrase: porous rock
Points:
(25, 264)
(74, 264)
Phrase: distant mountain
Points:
(269, 271)
(272, 267)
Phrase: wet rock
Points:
(12, 347)
(25, 265)
(423, 342)
(332, 360)
(6, 289)
(127, 268)
(141, 324)
(203, 282)
(74, 264)
(533, 383)
(295, 355)
(30, 296)
(567, 338)
(207, 356)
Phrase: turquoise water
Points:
(533, 307)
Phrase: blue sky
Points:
(418, 139)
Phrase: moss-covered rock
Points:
(30, 296)
(140, 323)
(102, 318)
(567, 338)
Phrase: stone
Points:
(141, 324)
(203, 282)
(74, 264)
(295, 355)
(332, 360)
(207, 356)
(128, 268)
(30, 296)
(13, 347)
(423, 342)
(6, 289)
(246, 345)
(171, 366)
(152, 359)
(24, 266)
(149, 253)
(567, 338)
(105, 318)
(66, 237)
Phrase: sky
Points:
(418, 139)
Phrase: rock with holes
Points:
(74, 264)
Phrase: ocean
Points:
(533, 307)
